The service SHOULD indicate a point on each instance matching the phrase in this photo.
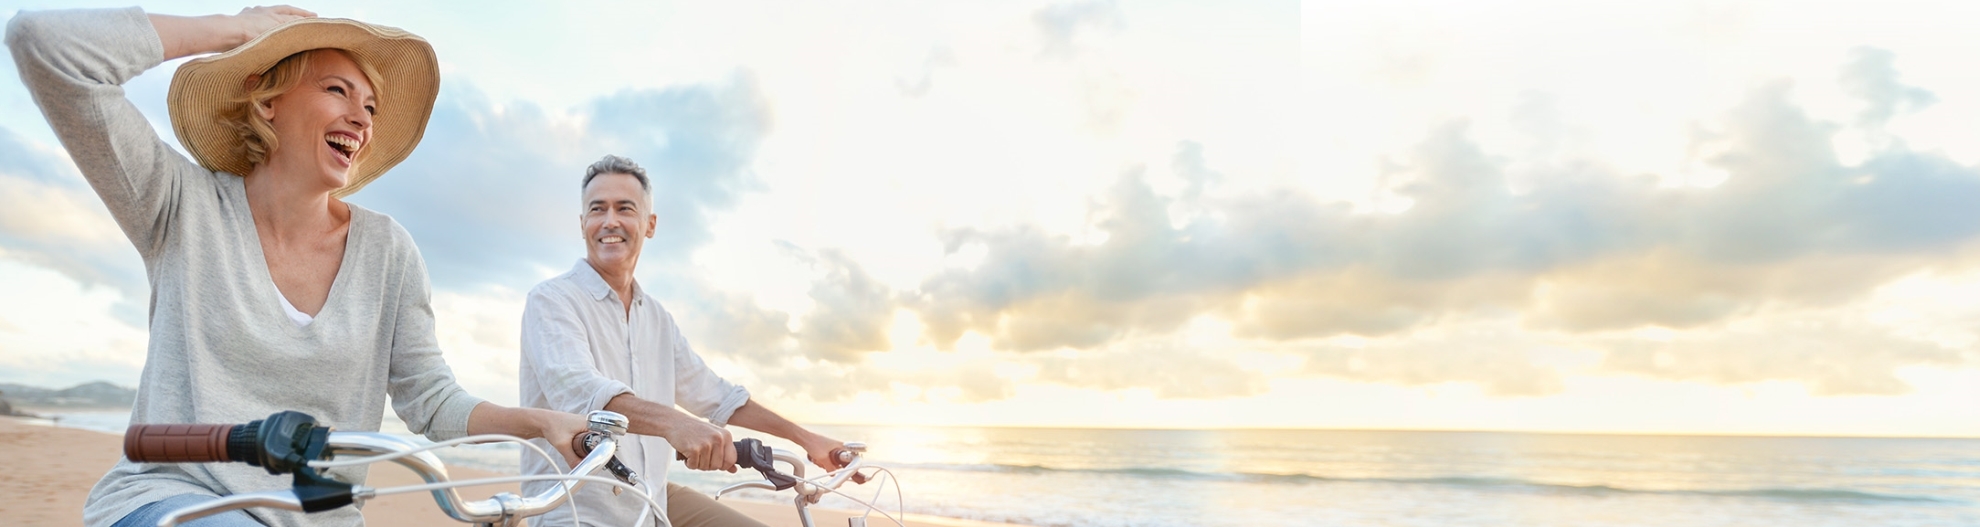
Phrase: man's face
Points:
(617, 221)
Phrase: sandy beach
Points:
(45, 472)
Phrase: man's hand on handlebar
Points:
(823, 451)
(703, 445)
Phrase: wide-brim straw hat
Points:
(204, 89)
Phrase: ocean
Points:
(1094, 477)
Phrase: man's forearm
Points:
(704, 445)
(819, 449)
(648, 417)
(655, 419)
(759, 418)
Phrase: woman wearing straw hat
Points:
(268, 292)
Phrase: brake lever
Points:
(583, 444)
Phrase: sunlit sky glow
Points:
(1683, 217)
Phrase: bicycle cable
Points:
(565, 479)
(869, 506)
(476, 439)
(900, 504)
(519, 479)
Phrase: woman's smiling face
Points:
(323, 124)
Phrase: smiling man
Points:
(593, 340)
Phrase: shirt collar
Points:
(588, 278)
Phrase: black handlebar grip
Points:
(748, 452)
(751, 453)
(179, 443)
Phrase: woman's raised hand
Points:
(188, 36)
(259, 19)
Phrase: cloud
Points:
(697, 143)
(1163, 367)
(1036, 291)
(1577, 248)
(1062, 23)
(1583, 249)
(480, 333)
(22, 158)
(49, 217)
(1362, 300)
(1668, 289)
(1102, 89)
(1503, 365)
(1190, 166)
(1170, 371)
(939, 57)
(1872, 76)
(1284, 263)
(850, 314)
(67, 331)
(730, 324)
(968, 382)
(1788, 197)
(1835, 355)
(492, 193)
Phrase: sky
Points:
(1678, 217)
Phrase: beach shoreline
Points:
(46, 472)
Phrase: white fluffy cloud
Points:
(1579, 248)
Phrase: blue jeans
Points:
(148, 515)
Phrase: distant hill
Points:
(90, 395)
(8, 409)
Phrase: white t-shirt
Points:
(295, 315)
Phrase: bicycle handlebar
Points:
(286, 442)
(751, 453)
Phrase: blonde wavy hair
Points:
(257, 135)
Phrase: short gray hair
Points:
(611, 164)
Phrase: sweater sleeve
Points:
(75, 62)
(423, 390)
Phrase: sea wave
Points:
(1795, 494)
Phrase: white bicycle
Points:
(753, 454)
(293, 443)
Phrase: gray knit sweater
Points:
(221, 349)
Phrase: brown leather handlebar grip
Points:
(177, 443)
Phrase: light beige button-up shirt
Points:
(580, 348)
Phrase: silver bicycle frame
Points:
(805, 490)
(503, 509)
